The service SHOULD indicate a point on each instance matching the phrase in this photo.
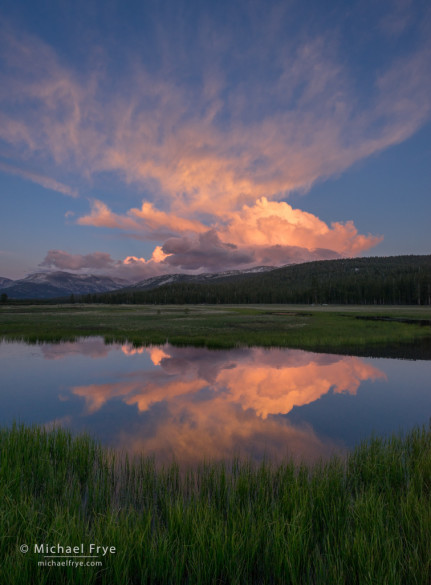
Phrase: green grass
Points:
(364, 520)
(335, 329)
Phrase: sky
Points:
(164, 136)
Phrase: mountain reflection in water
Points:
(193, 403)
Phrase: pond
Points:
(193, 403)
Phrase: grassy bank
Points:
(364, 520)
(336, 329)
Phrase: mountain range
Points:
(204, 278)
(5, 281)
(370, 280)
(51, 285)
(60, 284)
(393, 280)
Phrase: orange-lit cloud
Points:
(270, 233)
(131, 267)
(179, 148)
(144, 395)
(148, 221)
(130, 350)
(225, 397)
(157, 354)
(216, 157)
(277, 224)
(266, 233)
(266, 382)
(270, 390)
(218, 430)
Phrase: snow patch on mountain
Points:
(5, 282)
(48, 285)
(157, 281)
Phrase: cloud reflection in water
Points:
(215, 404)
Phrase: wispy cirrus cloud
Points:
(214, 156)
(44, 181)
(196, 144)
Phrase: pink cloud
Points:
(205, 251)
(148, 220)
(246, 391)
(131, 267)
(214, 188)
(278, 224)
(268, 384)
(66, 261)
(180, 151)
(42, 180)
(266, 233)
(94, 347)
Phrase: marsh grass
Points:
(366, 519)
(336, 330)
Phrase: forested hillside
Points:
(403, 280)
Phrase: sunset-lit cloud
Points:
(269, 389)
(130, 350)
(219, 430)
(157, 354)
(46, 182)
(266, 382)
(277, 224)
(198, 164)
(210, 155)
(147, 221)
(93, 347)
(269, 383)
(270, 233)
(131, 267)
(66, 261)
(216, 402)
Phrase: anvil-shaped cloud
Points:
(213, 153)
(270, 233)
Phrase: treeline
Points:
(397, 280)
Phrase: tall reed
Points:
(366, 519)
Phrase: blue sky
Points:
(145, 138)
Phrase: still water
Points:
(193, 403)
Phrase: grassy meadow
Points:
(364, 520)
(334, 329)
(361, 520)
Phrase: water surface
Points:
(193, 403)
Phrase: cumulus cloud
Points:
(278, 224)
(131, 267)
(66, 261)
(215, 158)
(245, 391)
(148, 221)
(266, 233)
(268, 384)
(205, 251)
